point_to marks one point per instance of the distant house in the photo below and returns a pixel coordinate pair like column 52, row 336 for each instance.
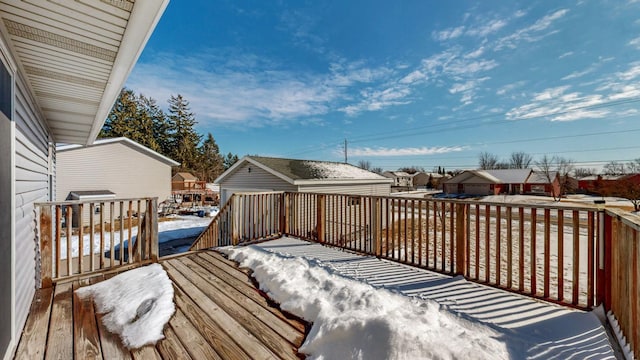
column 119, row 166
column 401, row 179
column 424, row 180
column 594, row 183
column 185, row 181
column 254, row 174
column 508, row 181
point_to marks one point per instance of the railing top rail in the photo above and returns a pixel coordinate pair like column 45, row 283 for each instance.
column 630, row 220
column 76, row 202
column 473, row 202
column 258, row 192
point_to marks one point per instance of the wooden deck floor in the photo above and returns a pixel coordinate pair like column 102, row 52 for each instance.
column 219, row 315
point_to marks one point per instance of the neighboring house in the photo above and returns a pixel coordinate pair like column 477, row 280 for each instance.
column 183, row 181
column 592, row 184
column 508, row 181
column 118, row 165
column 424, row 180
column 121, row 165
column 401, row 179
column 62, row 66
column 254, row 173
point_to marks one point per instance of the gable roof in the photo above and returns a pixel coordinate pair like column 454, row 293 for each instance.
column 76, row 56
column 538, row 177
column 124, row 141
column 185, row 176
column 502, row 176
column 299, row 172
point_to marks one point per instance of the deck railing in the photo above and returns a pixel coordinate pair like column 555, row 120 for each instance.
column 245, row 217
column 575, row 256
column 83, row 237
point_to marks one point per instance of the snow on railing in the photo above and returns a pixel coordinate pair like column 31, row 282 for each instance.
column 83, row 237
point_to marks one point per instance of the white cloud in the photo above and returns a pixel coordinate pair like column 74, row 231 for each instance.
column 413, row 77
column 488, row 28
column 564, row 55
column 577, row 74
column 476, row 53
column 632, row 73
column 550, row 93
column 247, row 90
column 581, row 114
column 531, row 33
column 410, row 151
column 635, row 43
column 510, row 87
column 448, row 34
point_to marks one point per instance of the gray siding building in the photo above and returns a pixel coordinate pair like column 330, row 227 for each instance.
column 254, row 174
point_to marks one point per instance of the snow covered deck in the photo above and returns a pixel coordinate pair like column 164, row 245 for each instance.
column 219, row 315
column 524, row 327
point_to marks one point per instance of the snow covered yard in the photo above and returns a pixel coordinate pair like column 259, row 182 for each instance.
column 173, row 228
column 366, row 308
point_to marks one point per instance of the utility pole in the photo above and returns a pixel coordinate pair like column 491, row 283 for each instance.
column 345, row 151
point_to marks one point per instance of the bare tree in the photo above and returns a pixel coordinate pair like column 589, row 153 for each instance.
column 582, row 172
column 633, row 167
column 377, row 170
column 520, row 160
column 412, row 169
column 364, row 164
column 556, row 167
column 487, row 161
column 614, row 168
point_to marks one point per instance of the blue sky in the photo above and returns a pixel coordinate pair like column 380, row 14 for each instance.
column 407, row 83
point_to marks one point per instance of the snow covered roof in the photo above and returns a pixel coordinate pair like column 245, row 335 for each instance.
column 125, row 141
column 510, row 176
column 298, row 172
column 538, row 177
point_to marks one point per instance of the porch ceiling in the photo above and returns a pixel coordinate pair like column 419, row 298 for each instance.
column 76, row 55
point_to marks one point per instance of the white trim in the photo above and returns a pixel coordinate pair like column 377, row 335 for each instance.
column 143, row 19
column 246, row 159
column 124, row 140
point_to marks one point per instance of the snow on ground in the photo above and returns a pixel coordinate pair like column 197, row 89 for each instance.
column 178, row 227
column 363, row 307
column 137, row 304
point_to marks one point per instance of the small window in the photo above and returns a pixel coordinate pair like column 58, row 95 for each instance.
column 5, row 91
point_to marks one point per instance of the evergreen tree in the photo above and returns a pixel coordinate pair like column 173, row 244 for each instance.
column 183, row 139
column 123, row 112
column 229, row 160
column 155, row 123
column 211, row 163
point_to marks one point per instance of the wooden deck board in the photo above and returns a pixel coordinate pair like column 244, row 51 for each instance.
column 34, row 343
column 219, row 315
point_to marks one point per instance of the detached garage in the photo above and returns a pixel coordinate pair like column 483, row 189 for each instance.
column 256, row 173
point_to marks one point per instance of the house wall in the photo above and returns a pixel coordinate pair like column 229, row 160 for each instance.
column 256, row 180
column 31, row 172
column 126, row 171
column 351, row 189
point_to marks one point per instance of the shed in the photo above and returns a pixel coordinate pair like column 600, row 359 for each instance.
column 121, row 165
column 256, row 173
column 62, row 66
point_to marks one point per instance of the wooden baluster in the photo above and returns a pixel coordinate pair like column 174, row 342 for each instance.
column 547, row 252
column 560, row 255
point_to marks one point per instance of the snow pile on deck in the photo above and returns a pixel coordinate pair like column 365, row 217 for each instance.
column 353, row 320
column 137, row 304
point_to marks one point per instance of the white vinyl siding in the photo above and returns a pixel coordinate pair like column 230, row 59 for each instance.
column 118, row 167
column 31, row 185
column 352, row 189
column 256, row 180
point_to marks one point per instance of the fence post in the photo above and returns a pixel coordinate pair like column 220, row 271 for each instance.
column 46, row 266
column 461, row 239
column 153, row 234
column 320, row 216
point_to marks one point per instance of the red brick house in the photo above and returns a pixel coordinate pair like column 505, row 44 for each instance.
column 507, row 181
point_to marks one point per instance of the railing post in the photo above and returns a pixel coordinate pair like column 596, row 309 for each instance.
column 606, row 281
column 376, row 225
column 46, row 268
column 235, row 216
column 320, row 217
column 461, row 239
column 282, row 215
column 153, row 234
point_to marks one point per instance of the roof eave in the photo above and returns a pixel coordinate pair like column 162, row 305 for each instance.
column 139, row 29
